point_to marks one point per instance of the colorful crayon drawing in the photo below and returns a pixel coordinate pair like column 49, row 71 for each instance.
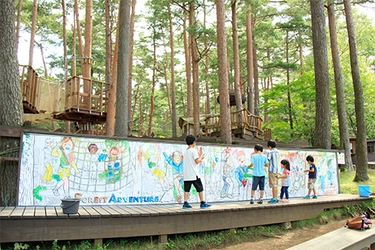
column 65, row 152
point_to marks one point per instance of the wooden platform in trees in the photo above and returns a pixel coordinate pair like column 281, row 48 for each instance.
column 249, row 127
column 30, row 89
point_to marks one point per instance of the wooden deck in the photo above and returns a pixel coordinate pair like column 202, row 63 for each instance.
column 28, row 224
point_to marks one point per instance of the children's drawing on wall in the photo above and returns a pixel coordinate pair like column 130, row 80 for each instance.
column 49, row 159
column 227, row 190
column 92, row 161
column 212, row 172
column 243, row 175
column 175, row 161
column 153, row 166
column 103, row 171
column 65, row 152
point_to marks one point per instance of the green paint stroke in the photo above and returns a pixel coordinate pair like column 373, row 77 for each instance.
column 37, row 190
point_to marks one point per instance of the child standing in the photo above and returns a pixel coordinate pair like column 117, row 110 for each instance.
column 312, row 177
column 191, row 172
column 259, row 161
column 285, row 180
column 273, row 170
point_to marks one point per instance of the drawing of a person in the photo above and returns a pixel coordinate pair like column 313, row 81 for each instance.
column 48, row 160
column 177, row 164
column 93, row 160
column 227, row 189
column 66, row 155
column 152, row 156
column 113, row 166
column 242, row 174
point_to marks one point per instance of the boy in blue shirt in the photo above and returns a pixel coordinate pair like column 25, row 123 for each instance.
column 259, row 162
column 312, row 177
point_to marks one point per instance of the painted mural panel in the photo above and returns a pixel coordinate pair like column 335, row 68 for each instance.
column 111, row 171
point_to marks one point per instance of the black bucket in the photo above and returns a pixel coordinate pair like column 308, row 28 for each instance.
column 70, row 206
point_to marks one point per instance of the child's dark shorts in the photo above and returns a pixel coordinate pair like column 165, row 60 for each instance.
column 197, row 184
column 258, row 180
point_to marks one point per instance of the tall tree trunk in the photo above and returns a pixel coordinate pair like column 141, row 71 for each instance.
column 108, row 42
column 78, row 27
column 87, row 59
column 236, row 60
column 111, row 104
column 322, row 138
column 11, row 110
column 340, row 94
column 206, row 65
column 225, row 123
column 288, row 83
column 122, row 118
column 195, row 69
column 189, row 93
column 361, row 146
column 131, row 52
column 33, row 30
column 152, row 98
column 67, row 128
column 173, row 84
column 18, row 27
column 80, row 46
column 256, row 81
column 250, row 67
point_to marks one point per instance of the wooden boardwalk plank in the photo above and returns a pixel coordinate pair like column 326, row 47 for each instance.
column 51, row 212
column 60, row 214
column 29, row 213
column 151, row 211
column 6, row 212
column 137, row 212
column 93, row 213
column 83, row 214
column 18, row 213
column 103, row 213
column 114, row 213
column 122, row 211
column 40, row 212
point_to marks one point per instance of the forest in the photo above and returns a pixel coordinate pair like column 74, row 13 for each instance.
column 162, row 35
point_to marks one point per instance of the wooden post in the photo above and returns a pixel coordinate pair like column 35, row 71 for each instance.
column 163, row 239
column 98, row 242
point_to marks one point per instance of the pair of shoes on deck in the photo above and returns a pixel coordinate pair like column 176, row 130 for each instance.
column 284, row 200
column 273, row 201
column 309, row 197
column 202, row 205
column 258, row 202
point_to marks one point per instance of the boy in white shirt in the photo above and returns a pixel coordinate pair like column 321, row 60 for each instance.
column 191, row 172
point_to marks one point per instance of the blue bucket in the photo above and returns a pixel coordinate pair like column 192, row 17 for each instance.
column 364, row 191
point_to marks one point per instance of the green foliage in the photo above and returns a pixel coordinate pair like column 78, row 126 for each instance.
column 347, row 185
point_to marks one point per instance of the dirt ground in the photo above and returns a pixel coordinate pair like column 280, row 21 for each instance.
column 289, row 239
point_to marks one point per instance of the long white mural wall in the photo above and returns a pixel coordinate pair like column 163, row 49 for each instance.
column 111, row 172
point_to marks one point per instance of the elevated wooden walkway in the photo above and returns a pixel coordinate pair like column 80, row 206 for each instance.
column 28, row 224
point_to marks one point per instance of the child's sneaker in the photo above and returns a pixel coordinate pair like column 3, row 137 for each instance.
column 186, row 205
column 260, row 201
column 315, row 197
column 273, row 201
column 251, row 201
column 307, row 197
column 205, row 205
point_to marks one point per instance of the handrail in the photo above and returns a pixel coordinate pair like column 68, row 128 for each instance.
column 94, row 99
column 249, row 121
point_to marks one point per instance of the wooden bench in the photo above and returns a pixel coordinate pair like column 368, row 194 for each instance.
column 342, row 238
